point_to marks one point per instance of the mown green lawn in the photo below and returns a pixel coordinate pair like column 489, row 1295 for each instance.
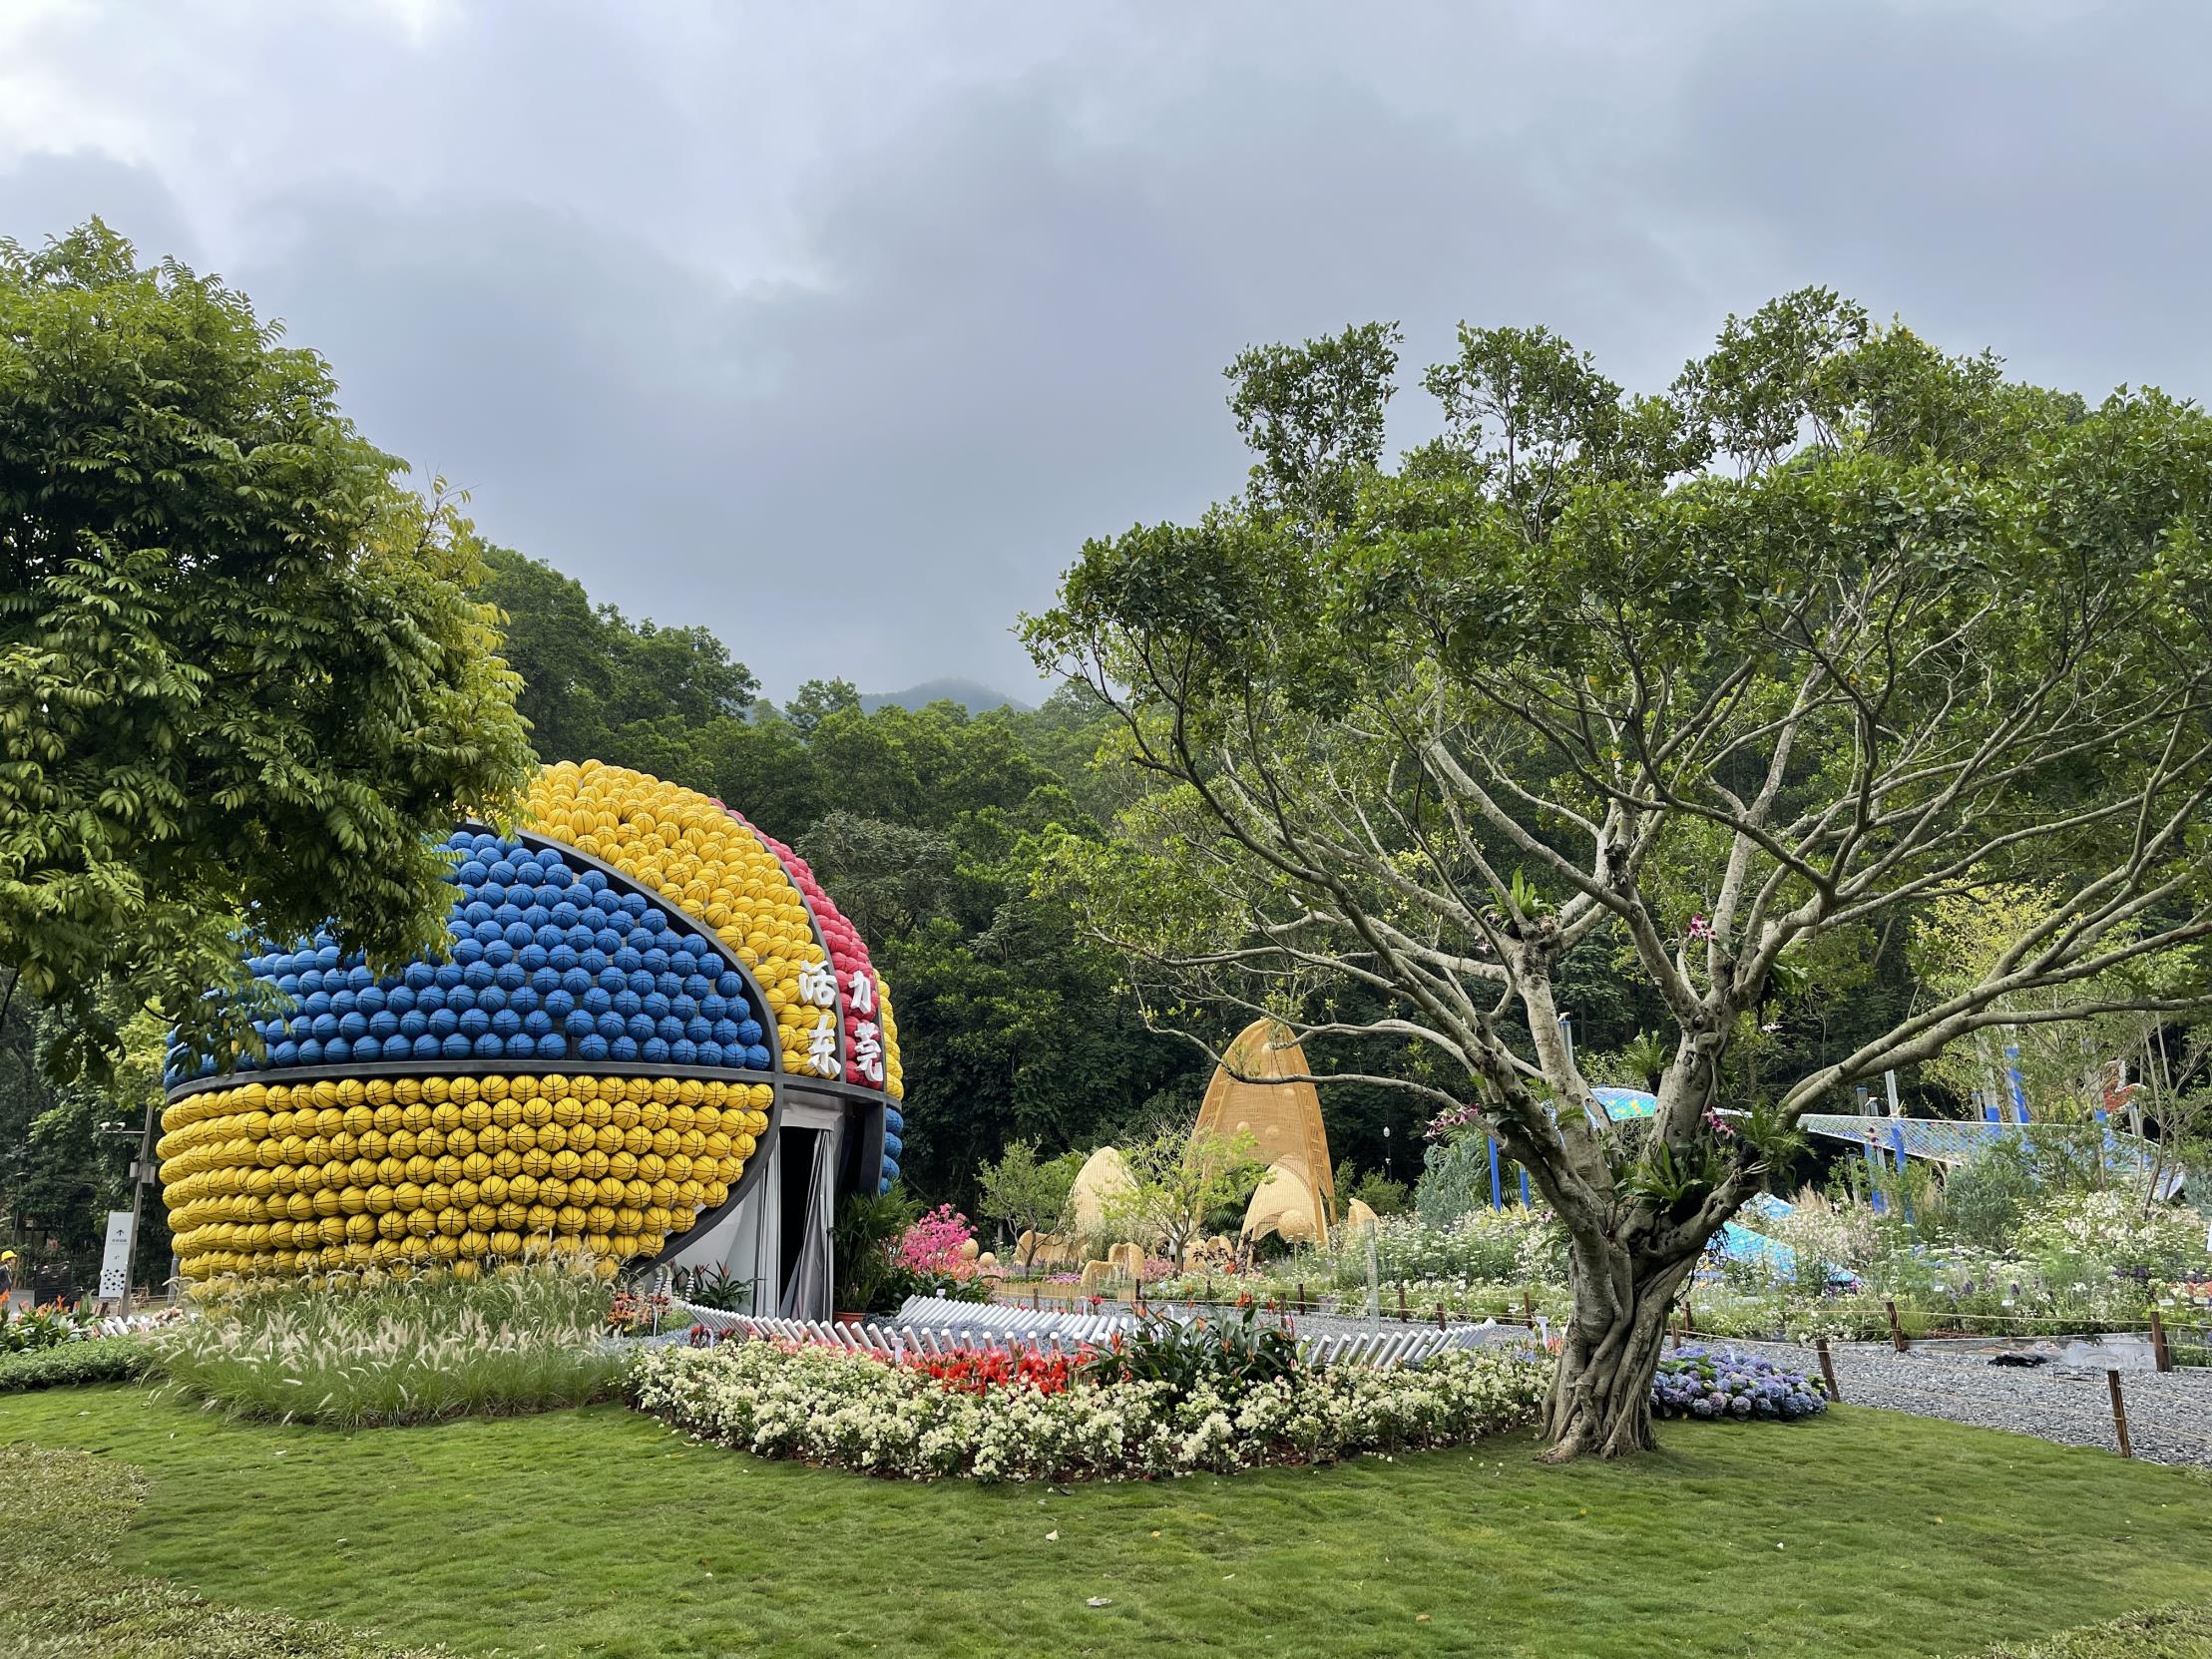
column 597, row 1532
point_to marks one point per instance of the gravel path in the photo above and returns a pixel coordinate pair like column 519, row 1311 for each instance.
column 2169, row 1415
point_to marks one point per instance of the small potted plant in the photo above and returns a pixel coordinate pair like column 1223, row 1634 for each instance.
column 864, row 1272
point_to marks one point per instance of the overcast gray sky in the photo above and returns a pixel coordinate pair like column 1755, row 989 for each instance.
column 838, row 327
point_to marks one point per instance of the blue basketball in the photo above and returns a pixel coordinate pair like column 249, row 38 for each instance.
column 757, row 1058
column 310, row 1053
column 622, row 1049
column 428, row 1047
column 684, row 1052
column 285, row 1054
column 610, row 1027
column 709, row 1053
column 475, row 1022
column 507, row 1023
column 449, row 976
column 353, row 1026
column 538, row 1023
column 639, row 1025
column 489, row 1046
column 749, row 1032
column 593, row 1048
column 324, row 1026
column 383, row 1024
column 368, row 1048
column 336, row 1050
column 444, row 1022
column 548, row 1045
column 653, row 1051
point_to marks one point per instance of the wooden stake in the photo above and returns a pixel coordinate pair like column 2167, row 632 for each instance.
column 1828, row 1370
column 1897, row 1331
column 1301, row 1296
column 2119, row 1413
column 1529, row 1308
column 1403, row 1311
column 2158, row 1351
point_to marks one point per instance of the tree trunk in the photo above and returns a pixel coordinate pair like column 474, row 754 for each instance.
column 1609, row 1351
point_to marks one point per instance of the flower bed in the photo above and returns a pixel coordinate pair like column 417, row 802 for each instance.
column 1698, row 1383
column 828, row 1406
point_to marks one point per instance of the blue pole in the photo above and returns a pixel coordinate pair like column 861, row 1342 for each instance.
column 1897, row 1140
column 2013, row 1077
column 1874, row 1174
column 1497, row 1189
column 1524, row 1189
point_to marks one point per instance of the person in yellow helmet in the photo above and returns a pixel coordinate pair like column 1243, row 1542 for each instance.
column 7, row 1277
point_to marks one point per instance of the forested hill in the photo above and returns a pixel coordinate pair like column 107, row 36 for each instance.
column 921, row 822
column 972, row 696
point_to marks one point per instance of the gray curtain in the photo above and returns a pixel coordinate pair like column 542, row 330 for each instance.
column 752, row 1241
column 808, row 1294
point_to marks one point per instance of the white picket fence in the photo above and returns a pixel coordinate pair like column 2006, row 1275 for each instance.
column 928, row 1325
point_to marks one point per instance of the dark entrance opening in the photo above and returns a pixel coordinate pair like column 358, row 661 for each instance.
column 796, row 1176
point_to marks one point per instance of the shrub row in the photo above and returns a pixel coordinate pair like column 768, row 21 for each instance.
column 94, row 1360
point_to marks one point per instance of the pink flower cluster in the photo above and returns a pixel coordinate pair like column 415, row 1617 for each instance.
column 936, row 1243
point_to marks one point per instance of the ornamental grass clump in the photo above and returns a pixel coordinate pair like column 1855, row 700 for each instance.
column 373, row 1349
column 1698, row 1383
column 825, row 1404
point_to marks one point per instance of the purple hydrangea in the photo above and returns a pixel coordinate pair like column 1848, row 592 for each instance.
column 1695, row 1381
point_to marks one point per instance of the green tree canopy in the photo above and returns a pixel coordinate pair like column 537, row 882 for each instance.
column 245, row 679
column 1719, row 681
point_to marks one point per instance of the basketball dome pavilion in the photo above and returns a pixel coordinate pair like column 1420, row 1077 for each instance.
column 650, row 1037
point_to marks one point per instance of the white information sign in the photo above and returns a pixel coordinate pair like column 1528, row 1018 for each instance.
column 115, row 1262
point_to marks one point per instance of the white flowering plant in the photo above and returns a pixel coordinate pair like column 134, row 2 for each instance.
column 828, row 1406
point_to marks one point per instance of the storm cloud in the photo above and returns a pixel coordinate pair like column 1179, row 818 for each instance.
column 838, row 328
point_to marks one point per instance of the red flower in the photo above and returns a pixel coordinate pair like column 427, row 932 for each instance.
column 976, row 1369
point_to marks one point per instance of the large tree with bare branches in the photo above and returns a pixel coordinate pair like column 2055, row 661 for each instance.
column 1836, row 629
